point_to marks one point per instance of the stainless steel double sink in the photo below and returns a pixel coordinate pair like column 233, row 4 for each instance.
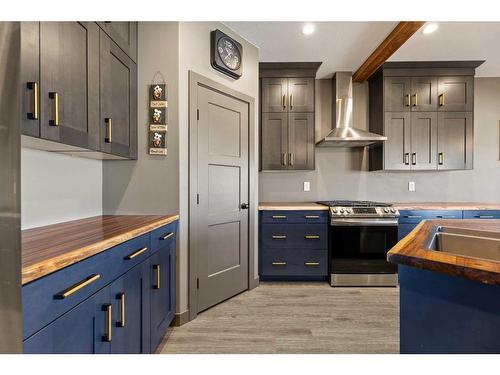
column 466, row 242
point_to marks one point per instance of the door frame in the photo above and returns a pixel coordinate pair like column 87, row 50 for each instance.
column 196, row 80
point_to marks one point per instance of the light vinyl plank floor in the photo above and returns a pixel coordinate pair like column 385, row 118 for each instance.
column 294, row 318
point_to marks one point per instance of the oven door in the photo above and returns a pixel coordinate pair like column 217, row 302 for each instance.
column 361, row 246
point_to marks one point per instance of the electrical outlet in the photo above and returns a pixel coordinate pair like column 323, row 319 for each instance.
column 307, row 186
column 411, row 185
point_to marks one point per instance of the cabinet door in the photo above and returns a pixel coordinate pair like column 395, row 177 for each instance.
column 455, row 143
column 69, row 79
column 162, row 273
column 274, row 94
column 301, row 141
column 30, row 78
column 274, row 141
column 424, row 140
column 397, row 93
column 424, row 94
column 82, row 330
column 124, row 34
column 456, row 93
column 130, row 299
column 397, row 146
column 118, row 89
column 301, row 95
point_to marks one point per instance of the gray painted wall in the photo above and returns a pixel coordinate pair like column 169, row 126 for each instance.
column 342, row 173
column 57, row 188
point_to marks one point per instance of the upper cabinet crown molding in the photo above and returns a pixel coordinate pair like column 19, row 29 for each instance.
column 288, row 69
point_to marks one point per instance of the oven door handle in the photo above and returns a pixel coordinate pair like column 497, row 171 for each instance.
column 364, row 222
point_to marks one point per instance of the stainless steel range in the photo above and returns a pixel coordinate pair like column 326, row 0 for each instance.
column 361, row 233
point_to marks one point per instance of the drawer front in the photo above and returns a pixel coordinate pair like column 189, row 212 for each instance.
column 294, row 262
column 416, row 216
column 482, row 214
column 294, row 216
column 301, row 236
column 48, row 298
column 163, row 236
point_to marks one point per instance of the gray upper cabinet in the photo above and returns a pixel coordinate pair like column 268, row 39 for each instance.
column 426, row 113
column 30, row 78
column 301, row 94
column 118, row 90
column 301, row 140
column 274, row 94
column 455, row 140
column 124, row 34
column 456, row 93
column 274, row 136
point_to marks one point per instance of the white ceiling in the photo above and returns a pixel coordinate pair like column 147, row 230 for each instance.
column 346, row 45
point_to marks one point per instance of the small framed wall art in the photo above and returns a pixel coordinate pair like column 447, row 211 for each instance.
column 158, row 114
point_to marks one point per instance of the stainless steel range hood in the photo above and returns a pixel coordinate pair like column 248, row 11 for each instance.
column 344, row 134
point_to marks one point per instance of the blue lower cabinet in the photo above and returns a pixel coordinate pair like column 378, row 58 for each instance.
column 82, row 330
column 482, row 214
column 409, row 219
column 162, row 294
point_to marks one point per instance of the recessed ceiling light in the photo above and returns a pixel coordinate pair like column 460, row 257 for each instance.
column 430, row 28
column 308, row 29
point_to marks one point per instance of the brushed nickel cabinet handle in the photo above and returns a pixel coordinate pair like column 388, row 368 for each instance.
column 76, row 287
column 283, row 101
column 279, row 216
column 415, row 102
column 414, row 158
column 291, row 101
column 55, row 97
column 278, row 263
column 407, row 102
column 156, row 268
column 108, row 309
column 311, row 264
column 121, row 297
column 311, row 237
column 441, row 100
column 167, row 236
column 34, row 87
column 284, row 158
column 292, row 159
column 312, row 216
column 407, row 158
column 441, row 158
column 279, row 237
column 109, row 129
column 136, row 253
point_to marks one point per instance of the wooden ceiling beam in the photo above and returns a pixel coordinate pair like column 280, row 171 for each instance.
column 401, row 33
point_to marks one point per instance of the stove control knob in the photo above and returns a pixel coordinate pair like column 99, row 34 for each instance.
column 334, row 210
column 393, row 210
column 341, row 210
column 386, row 210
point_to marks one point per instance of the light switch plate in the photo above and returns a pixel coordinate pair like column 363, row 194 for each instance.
column 307, row 186
column 411, row 185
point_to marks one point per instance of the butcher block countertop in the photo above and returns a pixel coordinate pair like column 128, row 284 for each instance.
column 413, row 251
column 291, row 206
column 50, row 248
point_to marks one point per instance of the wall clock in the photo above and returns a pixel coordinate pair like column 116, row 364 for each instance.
column 226, row 54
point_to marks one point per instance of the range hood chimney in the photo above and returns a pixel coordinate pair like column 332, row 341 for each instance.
column 344, row 134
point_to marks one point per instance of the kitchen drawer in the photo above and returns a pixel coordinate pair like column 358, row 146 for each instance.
column 416, row 216
column 163, row 236
column 294, row 216
column 43, row 301
column 294, row 262
column 301, row 236
column 482, row 214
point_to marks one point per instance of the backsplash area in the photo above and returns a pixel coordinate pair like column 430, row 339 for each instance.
column 341, row 173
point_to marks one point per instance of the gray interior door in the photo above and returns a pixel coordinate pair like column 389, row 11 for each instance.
column 456, row 93
column 424, row 140
column 424, row 93
column 397, row 93
column 274, row 141
column 455, row 132
column 274, row 94
column 301, row 94
column 222, row 218
column 301, row 141
column 397, row 146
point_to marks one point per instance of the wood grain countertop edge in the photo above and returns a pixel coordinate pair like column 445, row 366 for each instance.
column 38, row 270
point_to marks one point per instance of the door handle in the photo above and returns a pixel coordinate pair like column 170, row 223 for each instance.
column 167, row 236
column 311, row 237
column 311, row 216
column 108, row 309
column 244, row 206
column 76, row 287
column 279, row 237
column 284, row 158
column 407, row 158
column 441, row 100
column 407, row 102
column 279, row 216
column 156, row 268
column 292, row 159
column 278, row 263
column 109, row 129
column 136, row 253
column 441, row 158
column 291, row 101
column 283, row 101
column 34, row 87
column 311, row 264
column 415, row 102
column 121, row 297
column 414, row 158
column 55, row 97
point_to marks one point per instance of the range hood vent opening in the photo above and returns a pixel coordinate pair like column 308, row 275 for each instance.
column 344, row 134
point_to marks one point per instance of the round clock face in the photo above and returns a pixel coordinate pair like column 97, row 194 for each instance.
column 229, row 53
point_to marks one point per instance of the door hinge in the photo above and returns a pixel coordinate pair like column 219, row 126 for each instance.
column 197, row 283
column 197, row 198
column 198, row 114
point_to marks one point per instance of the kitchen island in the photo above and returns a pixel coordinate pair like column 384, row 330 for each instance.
column 449, row 276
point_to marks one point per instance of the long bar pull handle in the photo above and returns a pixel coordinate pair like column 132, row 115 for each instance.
column 108, row 309
column 291, row 101
column 284, row 158
column 407, row 102
column 156, row 268
column 413, row 216
column 76, row 287
column 414, row 158
column 279, row 237
column 441, row 158
column 279, row 216
column 34, row 87
column 283, row 101
column 407, row 158
column 278, row 263
column 121, row 297
column 292, row 159
column 312, row 216
column 136, row 253
column 311, row 237
column 167, row 236
column 312, row 264
column 441, row 100
column 484, row 216
column 415, row 102
column 55, row 97
column 109, row 129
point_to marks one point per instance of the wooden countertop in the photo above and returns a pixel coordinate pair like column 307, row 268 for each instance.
column 291, row 206
column 412, row 251
column 50, row 248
